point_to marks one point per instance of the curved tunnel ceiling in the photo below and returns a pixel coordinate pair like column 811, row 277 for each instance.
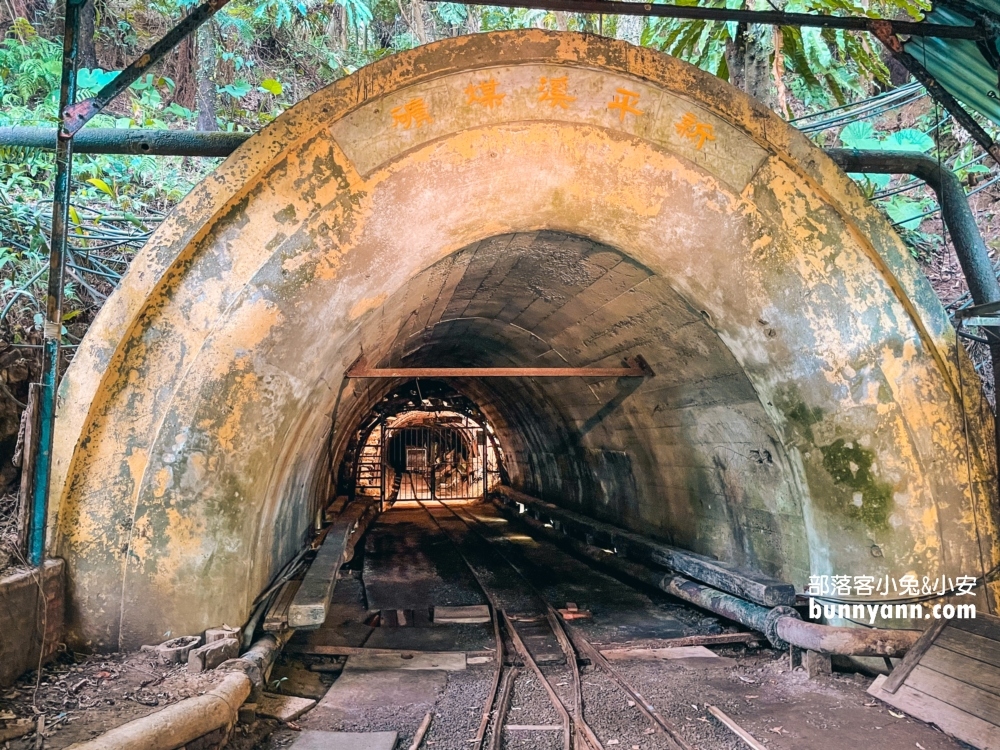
column 805, row 409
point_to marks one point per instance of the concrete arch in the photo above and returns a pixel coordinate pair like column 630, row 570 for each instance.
column 806, row 411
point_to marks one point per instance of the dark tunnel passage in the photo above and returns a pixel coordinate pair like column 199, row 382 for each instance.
column 689, row 456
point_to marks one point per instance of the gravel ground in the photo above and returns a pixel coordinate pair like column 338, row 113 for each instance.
column 457, row 714
column 613, row 715
column 530, row 705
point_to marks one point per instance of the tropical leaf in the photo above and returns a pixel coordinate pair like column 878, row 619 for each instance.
column 101, row 185
column 909, row 139
column 904, row 211
column 859, row 134
column 272, row 86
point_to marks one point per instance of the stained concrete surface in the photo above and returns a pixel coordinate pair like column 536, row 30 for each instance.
column 790, row 332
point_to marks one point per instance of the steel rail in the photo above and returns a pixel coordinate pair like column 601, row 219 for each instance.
column 549, row 690
column 514, row 636
column 491, row 697
column 597, row 658
column 673, row 735
column 582, row 727
column 506, row 693
column 765, row 17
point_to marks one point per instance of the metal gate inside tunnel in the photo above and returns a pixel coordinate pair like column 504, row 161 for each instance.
column 428, row 456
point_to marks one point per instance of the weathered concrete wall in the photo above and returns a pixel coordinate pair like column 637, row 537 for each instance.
column 25, row 624
column 522, row 197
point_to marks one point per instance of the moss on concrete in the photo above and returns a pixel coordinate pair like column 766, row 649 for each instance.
column 850, row 465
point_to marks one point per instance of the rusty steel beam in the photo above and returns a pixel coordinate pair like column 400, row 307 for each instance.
column 76, row 115
column 634, row 371
column 886, row 33
column 765, row 17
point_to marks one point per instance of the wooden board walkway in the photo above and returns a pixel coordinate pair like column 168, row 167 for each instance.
column 951, row 678
column 311, row 602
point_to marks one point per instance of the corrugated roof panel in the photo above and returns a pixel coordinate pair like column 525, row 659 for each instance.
column 958, row 64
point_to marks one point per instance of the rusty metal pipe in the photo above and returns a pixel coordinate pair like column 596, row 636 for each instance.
column 828, row 639
column 782, row 626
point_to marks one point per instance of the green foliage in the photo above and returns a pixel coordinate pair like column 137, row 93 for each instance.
column 823, row 66
column 902, row 209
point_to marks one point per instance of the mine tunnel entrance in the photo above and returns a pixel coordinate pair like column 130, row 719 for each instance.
column 426, row 451
column 806, row 416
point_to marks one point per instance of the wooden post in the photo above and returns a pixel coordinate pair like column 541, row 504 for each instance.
column 27, row 461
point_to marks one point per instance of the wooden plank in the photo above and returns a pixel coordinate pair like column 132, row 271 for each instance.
column 736, row 729
column 283, row 707
column 315, row 739
column 276, row 618
column 983, row 624
column 913, row 656
column 446, row 661
column 311, row 603
column 533, row 728
column 473, row 614
column 974, row 646
column 322, row 650
column 965, row 698
column 658, row 654
column 747, row 584
column 697, row 640
column 26, row 462
column 964, row 668
column 947, row 718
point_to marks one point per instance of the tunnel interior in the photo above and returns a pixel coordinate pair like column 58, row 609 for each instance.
column 688, row 455
column 804, row 413
column 422, row 441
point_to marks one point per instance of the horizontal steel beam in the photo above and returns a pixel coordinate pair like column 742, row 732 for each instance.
column 128, row 141
column 636, row 370
column 765, row 17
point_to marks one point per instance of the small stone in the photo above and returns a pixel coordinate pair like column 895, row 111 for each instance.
column 247, row 713
column 213, row 654
column 217, row 634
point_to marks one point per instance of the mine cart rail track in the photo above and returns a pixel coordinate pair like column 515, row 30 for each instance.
column 577, row 733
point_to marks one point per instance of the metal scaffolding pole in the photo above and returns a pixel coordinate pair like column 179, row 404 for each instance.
column 73, row 116
column 128, row 141
column 42, row 465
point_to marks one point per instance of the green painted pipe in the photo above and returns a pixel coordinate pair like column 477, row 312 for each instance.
column 128, row 141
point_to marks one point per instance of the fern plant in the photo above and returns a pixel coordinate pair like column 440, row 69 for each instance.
column 825, row 65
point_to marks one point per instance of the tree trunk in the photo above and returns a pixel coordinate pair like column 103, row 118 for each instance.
column 185, row 92
column 748, row 58
column 736, row 57
column 205, row 78
column 419, row 29
column 757, row 67
column 87, row 55
column 630, row 29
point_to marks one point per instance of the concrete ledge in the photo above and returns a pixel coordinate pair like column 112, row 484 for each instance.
column 23, row 619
